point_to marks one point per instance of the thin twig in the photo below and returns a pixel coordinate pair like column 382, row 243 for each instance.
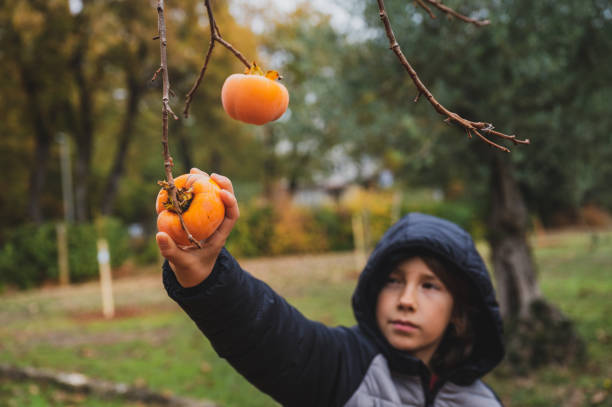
column 166, row 110
column 468, row 125
column 155, row 74
column 215, row 36
column 450, row 12
column 424, row 6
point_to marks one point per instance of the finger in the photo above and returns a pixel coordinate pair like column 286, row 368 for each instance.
column 223, row 182
column 197, row 171
column 165, row 244
column 231, row 205
column 169, row 249
column 232, row 213
column 218, row 238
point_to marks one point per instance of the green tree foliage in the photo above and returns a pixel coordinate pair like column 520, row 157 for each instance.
column 88, row 74
column 538, row 71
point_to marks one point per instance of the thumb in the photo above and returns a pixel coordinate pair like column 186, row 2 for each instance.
column 166, row 245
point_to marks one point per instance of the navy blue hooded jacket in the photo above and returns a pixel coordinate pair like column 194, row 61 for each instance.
column 300, row 362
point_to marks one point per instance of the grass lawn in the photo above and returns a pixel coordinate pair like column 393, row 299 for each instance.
column 151, row 342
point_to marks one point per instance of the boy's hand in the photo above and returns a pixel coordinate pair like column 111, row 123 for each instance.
column 191, row 265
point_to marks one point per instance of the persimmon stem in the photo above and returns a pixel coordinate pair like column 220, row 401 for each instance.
column 166, row 111
column 470, row 126
column 215, row 36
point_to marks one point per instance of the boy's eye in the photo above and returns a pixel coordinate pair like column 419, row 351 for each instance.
column 431, row 286
column 393, row 280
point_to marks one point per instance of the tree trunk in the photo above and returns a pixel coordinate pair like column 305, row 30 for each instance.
column 42, row 150
column 85, row 122
column 515, row 271
column 537, row 333
column 135, row 91
column 42, row 132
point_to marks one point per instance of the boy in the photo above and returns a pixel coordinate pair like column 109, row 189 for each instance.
column 428, row 323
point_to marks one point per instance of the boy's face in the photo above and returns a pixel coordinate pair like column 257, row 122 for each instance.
column 414, row 309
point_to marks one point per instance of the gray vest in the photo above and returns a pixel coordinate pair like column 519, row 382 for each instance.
column 382, row 388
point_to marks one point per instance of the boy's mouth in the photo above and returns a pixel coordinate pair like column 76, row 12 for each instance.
column 403, row 325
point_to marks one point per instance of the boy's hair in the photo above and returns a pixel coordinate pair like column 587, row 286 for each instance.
column 458, row 340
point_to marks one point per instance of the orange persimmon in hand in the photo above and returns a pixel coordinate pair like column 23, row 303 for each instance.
column 254, row 97
column 201, row 206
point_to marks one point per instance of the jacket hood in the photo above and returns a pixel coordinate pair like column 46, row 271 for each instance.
column 417, row 233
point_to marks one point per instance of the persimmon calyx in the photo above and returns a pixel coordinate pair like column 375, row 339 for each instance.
column 256, row 70
column 184, row 196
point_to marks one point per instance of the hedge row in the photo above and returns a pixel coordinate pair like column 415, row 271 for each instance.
column 29, row 255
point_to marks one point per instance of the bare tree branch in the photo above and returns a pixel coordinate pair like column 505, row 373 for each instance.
column 215, row 36
column 166, row 110
column 470, row 126
column 450, row 12
column 426, row 8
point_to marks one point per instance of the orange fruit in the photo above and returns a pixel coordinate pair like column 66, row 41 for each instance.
column 253, row 97
column 201, row 205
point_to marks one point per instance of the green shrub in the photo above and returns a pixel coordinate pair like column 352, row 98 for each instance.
column 29, row 256
column 144, row 250
column 336, row 224
column 253, row 233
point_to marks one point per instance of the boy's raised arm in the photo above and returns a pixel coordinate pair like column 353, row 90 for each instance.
column 297, row 361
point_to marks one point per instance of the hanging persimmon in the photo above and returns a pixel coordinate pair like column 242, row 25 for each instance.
column 200, row 204
column 254, row 97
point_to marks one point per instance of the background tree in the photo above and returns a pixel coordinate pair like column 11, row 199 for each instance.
column 525, row 95
column 35, row 34
column 88, row 74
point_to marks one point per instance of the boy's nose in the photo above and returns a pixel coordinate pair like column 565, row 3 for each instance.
column 407, row 299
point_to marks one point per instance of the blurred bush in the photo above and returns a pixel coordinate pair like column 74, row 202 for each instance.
column 253, row 233
column 295, row 231
column 29, row 255
column 334, row 224
column 265, row 229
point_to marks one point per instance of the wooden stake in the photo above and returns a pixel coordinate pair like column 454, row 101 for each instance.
column 62, row 254
column 106, row 282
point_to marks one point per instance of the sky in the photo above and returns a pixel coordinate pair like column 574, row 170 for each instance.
column 341, row 19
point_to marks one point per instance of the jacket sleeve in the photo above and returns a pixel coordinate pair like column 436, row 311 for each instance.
column 296, row 361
